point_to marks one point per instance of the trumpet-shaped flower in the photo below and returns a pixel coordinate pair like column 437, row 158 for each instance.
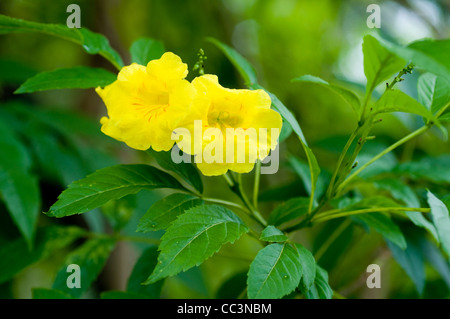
column 237, row 127
column 145, row 104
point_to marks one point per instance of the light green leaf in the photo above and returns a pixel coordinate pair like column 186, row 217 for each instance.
column 144, row 266
column 186, row 170
column 404, row 193
column 245, row 69
column 290, row 210
column 445, row 117
column 92, row 43
column 441, row 220
column 397, row 101
column 273, row 234
column 195, row 236
column 411, row 260
column 91, row 257
column 44, row 293
column 348, row 96
column 109, row 183
column 275, row 272
column 79, row 77
column 433, row 91
column 162, row 213
column 321, row 288
column 379, row 62
column 144, row 50
column 15, row 255
column 382, row 224
column 308, row 265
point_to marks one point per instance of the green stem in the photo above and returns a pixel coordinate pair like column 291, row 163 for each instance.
column 326, row 216
column 381, row 154
column 256, row 184
column 224, row 202
column 247, row 203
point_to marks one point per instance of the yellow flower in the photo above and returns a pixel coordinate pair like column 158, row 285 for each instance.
column 145, row 104
column 237, row 127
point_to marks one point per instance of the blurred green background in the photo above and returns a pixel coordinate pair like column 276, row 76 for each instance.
column 283, row 39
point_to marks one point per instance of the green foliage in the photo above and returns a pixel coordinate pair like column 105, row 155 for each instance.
column 320, row 289
column 194, row 237
column 291, row 209
column 74, row 78
column 144, row 50
column 272, row 234
column 441, row 219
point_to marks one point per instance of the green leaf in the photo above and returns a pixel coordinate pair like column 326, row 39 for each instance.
column 308, row 266
column 195, row 236
column 290, row 210
column 435, row 169
column 186, row 170
column 79, row 77
column 115, row 294
column 433, row 92
column 382, row 224
column 379, row 62
column 107, row 184
column 245, row 69
column 92, row 43
column 321, row 288
column 162, row 213
column 404, row 193
column 15, row 254
column 44, row 293
column 14, row 154
column 272, row 234
column 144, row 50
column 91, row 258
column 441, row 220
column 348, row 96
column 411, row 260
column 144, row 266
column 308, row 176
column 397, row 101
column 275, row 272
column 233, row 287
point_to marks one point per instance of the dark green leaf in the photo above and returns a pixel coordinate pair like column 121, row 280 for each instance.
column 144, row 50
column 272, row 234
column 195, row 236
column 321, row 288
column 115, row 294
column 144, row 266
column 162, row 213
column 290, row 210
column 43, row 293
column 275, row 272
column 79, row 77
column 107, row 184
column 186, row 170
column 308, row 266
column 233, row 287
column 91, row 258
column 348, row 96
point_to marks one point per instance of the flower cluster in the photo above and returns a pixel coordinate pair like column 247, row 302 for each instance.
column 148, row 106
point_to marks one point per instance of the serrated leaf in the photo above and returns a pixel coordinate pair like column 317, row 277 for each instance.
column 144, row 50
column 107, row 184
column 92, row 43
column 44, row 293
column 441, row 220
column 162, row 213
column 348, row 96
column 79, row 77
column 195, row 236
column 308, row 266
column 411, row 260
column 275, row 272
column 272, row 234
column 382, row 224
column 433, row 92
column 404, row 193
column 15, row 255
column 291, row 209
column 91, row 258
column 245, row 69
column 186, row 170
column 144, row 266
column 321, row 288
column 379, row 62
column 397, row 101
